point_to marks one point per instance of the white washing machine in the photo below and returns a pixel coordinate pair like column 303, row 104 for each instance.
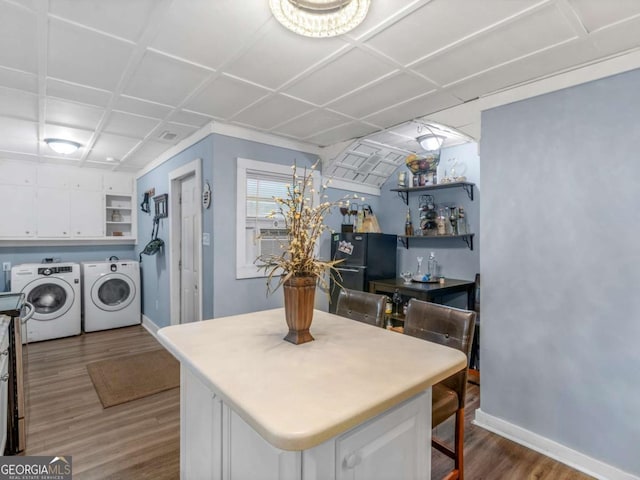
column 111, row 294
column 54, row 291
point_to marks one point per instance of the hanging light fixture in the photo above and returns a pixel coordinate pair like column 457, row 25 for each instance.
column 430, row 142
column 320, row 18
column 64, row 147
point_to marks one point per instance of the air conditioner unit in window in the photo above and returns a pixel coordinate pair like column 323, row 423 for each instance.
column 271, row 240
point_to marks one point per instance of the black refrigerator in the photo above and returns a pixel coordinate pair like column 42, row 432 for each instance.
column 367, row 256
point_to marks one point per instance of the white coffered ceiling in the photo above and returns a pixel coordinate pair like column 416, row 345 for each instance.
column 129, row 79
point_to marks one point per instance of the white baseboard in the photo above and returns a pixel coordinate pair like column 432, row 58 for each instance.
column 550, row 448
column 151, row 327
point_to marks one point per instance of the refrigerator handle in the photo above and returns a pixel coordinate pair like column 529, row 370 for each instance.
column 356, row 270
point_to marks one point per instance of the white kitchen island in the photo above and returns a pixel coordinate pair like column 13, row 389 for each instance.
column 353, row 404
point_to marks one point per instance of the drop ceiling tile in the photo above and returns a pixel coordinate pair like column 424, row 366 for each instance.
column 272, row 111
column 16, row 103
column 190, row 118
column 432, row 102
column 72, row 114
column 181, row 132
column 346, row 73
column 18, row 80
column 562, row 57
column 595, row 15
column 164, row 79
column 335, row 135
column 617, row 38
column 224, row 97
column 384, row 94
column 312, row 122
column 506, row 43
column 438, row 24
column 122, row 18
column 109, row 145
column 18, row 135
column 128, row 125
column 18, row 37
column 207, row 32
column 141, row 107
column 85, row 57
column 280, row 55
column 148, row 152
column 77, row 93
column 379, row 14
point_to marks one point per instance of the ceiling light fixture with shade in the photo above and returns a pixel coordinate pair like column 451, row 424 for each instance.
column 320, row 18
column 430, row 142
column 63, row 147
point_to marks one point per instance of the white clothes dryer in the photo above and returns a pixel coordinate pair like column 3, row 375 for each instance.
column 54, row 291
column 111, row 294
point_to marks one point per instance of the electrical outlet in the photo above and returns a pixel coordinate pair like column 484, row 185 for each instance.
column 157, row 304
column 6, row 266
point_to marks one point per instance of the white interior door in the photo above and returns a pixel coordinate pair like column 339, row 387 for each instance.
column 189, row 259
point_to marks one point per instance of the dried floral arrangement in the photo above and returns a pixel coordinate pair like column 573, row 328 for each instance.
column 304, row 218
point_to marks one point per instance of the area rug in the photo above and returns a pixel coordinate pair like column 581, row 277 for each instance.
column 123, row 379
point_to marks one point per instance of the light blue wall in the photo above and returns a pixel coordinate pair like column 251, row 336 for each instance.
column 18, row 255
column 561, row 267
column 231, row 296
column 453, row 256
column 155, row 269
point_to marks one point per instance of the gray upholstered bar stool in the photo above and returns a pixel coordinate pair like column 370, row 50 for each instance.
column 454, row 328
column 361, row 306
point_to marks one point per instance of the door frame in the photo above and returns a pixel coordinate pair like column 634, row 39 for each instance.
column 175, row 232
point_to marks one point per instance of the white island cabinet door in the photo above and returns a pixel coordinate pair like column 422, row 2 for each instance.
column 201, row 424
column 385, row 447
column 87, row 213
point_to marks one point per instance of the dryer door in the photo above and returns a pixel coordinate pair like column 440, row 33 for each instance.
column 51, row 298
column 113, row 292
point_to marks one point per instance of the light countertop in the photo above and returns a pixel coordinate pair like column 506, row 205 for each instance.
column 298, row 396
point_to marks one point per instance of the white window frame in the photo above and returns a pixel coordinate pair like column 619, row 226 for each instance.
column 245, row 268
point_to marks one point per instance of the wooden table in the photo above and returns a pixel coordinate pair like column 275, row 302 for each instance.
column 429, row 292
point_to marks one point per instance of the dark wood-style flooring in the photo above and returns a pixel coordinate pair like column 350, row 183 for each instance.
column 140, row 439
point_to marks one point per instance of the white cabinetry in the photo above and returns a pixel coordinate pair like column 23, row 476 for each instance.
column 87, row 213
column 17, row 214
column 59, row 204
column 216, row 443
column 52, row 212
column 119, row 215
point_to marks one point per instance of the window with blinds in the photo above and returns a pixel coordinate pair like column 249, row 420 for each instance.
column 261, row 189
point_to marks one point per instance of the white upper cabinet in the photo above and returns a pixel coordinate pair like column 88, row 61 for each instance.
column 63, row 203
column 117, row 182
column 17, row 216
column 53, row 212
column 17, row 173
column 87, row 213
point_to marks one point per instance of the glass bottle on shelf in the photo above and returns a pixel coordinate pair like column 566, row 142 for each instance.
column 462, row 222
column 441, row 222
column 408, row 225
column 453, row 220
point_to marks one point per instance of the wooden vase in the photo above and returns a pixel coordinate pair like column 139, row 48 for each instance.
column 299, row 296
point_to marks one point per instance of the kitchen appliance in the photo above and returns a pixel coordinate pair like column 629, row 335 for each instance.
column 366, row 257
column 111, row 294
column 12, row 393
column 54, row 291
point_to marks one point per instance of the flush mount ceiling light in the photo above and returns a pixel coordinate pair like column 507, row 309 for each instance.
column 430, row 142
column 320, row 18
column 64, row 147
